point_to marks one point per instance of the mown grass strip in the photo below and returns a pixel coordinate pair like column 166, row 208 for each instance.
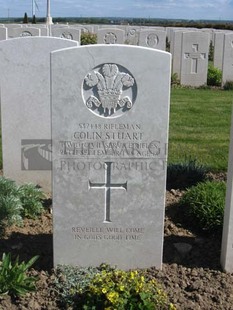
column 200, row 126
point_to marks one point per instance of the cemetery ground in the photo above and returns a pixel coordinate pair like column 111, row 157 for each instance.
column 191, row 276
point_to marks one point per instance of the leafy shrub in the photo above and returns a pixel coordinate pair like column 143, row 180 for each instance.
column 228, row 85
column 69, row 279
column 88, row 38
column 211, row 52
column 204, row 205
column 109, row 288
column 10, row 210
column 186, row 174
column 214, row 76
column 7, row 187
column 13, row 278
column 174, row 79
column 31, row 198
column 18, row 202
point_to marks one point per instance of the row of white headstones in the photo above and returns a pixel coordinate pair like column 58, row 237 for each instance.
column 189, row 47
column 110, row 111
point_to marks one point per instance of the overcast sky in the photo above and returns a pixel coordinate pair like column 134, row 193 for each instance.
column 184, row 9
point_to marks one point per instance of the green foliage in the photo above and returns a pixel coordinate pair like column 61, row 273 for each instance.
column 185, row 174
column 68, row 279
column 211, row 52
column 228, row 85
column 88, row 38
column 108, row 288
column 174, row 79
column 10, row 211
column 13, row 278
column 204, row 205
column 214, row 76
column 31, row 198
column 18, row 202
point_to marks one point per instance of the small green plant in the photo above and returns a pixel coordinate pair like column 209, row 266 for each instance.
column 214, row 76
column 185, row 174
column 117, row 289
column 69, row 279
column 228, row 85
column 88, row 38
column 7, row 187
column 10, row 211
column 211, row 52
column 17, row 202
column 204, row 205
column 108, row 288
column 174, row 79
column 31, row 198
column 14, row 280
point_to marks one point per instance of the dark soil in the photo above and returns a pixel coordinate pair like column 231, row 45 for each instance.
column 191, row 274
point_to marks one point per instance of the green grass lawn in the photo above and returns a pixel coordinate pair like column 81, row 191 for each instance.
column 200, row 126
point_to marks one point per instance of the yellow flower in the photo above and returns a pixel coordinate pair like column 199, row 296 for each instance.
column 112, row 296
column 104, row 290
column 142, row 279
column 121, row 287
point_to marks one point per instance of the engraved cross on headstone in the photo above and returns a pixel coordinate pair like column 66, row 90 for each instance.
column 107, row 186
column 194, row 56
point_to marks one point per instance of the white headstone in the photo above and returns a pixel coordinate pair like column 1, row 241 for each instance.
column 24, row 32
column 3, row 33
column 109, row 130
column 218, row 49
column 227, row 236
column 194, row 59
column 67, row 33
column 110, row 36
column 25, row 108
column 153, row 39
column 132, row 35
column 227, row 72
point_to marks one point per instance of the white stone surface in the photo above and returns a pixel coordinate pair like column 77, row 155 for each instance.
column 227, row 72
column 194, row 60
column 153, row 39
column 3, row 33
column 218, row 49
column 24, row 32
column 67, row 33
column 25, row 107
column 110, row 36
column 227, row 236
column 109, row 166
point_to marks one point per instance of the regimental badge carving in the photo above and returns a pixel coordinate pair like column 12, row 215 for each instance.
column 113, row 90
column 67, row 35
column 26, row 34
column 152, row 40
column 110, row 38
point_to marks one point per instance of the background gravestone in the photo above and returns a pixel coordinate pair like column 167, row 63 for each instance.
column 110, row 36
column 153, row 39
column 109, row 131
column 227, row 72
column 25, row 108
column 194, row 58
column 67, row 33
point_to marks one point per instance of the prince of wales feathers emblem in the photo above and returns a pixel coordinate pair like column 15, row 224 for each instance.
column 109, row 86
